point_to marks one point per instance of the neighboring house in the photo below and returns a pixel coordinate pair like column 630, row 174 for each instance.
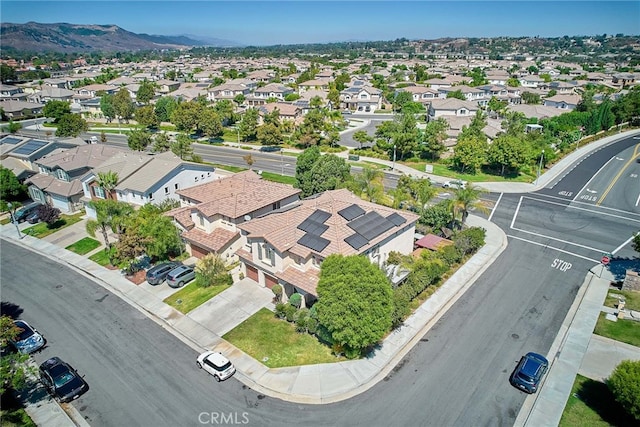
column 145, row 178
column 288, row 245
column 58, row 182
column 165, row 86
column 91, row 91
column 51, row 94
column 261, row 76
column 272, row 90
column 497, row 78
column 316, row 84
column 286, row 111
column 564, row 102
column 227, row 91
column 422, row 94
column 18, row 110
column 452, row 107
column 537, row 111
column 88, row 107
column 624, row 79
column 361, row 98
column 531, row 81
column 438, row 84
column 211, row 213
column 12, row 93
column 470, row 93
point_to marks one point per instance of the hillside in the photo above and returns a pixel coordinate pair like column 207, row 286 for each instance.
column 72, row 38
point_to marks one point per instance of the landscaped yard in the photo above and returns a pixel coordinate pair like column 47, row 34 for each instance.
column 632, row 299
column 43, row 229
column 443, row 170
column 276, row 343
column 591, row 404
column 101, row 258
column 192, row 296
column 83, row 246
column 627, row 331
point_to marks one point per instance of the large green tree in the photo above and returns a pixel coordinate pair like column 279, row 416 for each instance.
column 248, row 125
column 304, row 164
column 10, row 188
column 210, row 123
column 139, row 139
column 624, row 383
column 355, row 302
column 71, row 125
column 146, row 92
column 435, row 133
column 508, row 152
column 186, row 116
column 182, row 146
column 161, row 143
column 269, row 134
column 123, row 105
column 110, row 215
column 316, row 173
column 146, row 116
column 107, row 108
column 56, row 110
column 164, row 107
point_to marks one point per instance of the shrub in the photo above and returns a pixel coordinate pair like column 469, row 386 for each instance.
column 281, row 310
column 295, row 300
column 401, row 307
column 450, row 254
column 289, row 312
column 209, row 269
column 324, row 334
column 48, row 214
column 312, row 325
column 277, row 292
column 301, row 314
column 624, row 383
column 470, row 240
column 351, row 353
column 301, row 318
column 313, row 312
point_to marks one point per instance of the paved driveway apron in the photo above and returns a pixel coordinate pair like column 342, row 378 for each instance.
column 231, row 307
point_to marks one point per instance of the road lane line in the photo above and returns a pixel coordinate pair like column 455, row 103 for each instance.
column 569, row 203
column 584, row 209
column 496, row 206
column 592, row 178
column 613, row 252
column 615, row 179
column 638, row 199
column 559, row 240
column 554, row 248
column 515, row 214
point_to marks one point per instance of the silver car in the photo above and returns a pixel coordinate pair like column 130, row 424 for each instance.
column 29, row 340
column 180, row 275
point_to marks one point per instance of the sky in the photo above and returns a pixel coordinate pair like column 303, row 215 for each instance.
column 290, row 22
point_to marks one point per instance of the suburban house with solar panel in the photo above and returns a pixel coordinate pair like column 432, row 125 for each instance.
column 58, row 182
column 288, row 245
column 211, row 213
column 145, row 178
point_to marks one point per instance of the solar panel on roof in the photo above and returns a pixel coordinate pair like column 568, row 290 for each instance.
column 313, row 242
column 313, row 227
column 356, row 241
column 396, row 219
column 10, row 140
column 320, row 216
column 370, row 225
column 351, row 212
column 30, row 147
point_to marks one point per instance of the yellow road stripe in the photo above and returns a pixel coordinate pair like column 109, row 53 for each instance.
column 615, row 179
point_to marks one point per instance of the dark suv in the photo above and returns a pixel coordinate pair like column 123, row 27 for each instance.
column 529, row 372
column 26, row 210
column 61, row 380
column 157, row 274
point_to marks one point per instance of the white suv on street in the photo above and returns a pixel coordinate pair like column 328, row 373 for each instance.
column 216, row 364
column 455, row 184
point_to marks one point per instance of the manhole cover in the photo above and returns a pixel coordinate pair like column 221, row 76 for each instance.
column 515, row 336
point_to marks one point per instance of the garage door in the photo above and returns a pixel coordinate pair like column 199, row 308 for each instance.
column 269, row 281
column 252, row 273
column 198, row 252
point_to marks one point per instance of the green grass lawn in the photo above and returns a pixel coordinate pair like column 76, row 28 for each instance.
column 444, row 170
column 284, row 179
column 591, row 404
column 192, row 296
column 83, row 246
column 627, row 331
column 276, row 343
column 43, row 229
column 5, row 221
column 632, row 300
column 101, row 258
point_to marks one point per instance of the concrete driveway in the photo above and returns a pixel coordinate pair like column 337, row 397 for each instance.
column 233, row 306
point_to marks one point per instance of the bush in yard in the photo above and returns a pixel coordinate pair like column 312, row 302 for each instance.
column 289, row 312
column 324, row 334
column 401, row 307
column 48, row 214
column 295, row 300
column 277, row 292
column 624, row 383
column 352, row 353
column 450, row 254
column 470, row 240
column 301, row 318
column 209, row 269
column 281, row 310
column 312, row 325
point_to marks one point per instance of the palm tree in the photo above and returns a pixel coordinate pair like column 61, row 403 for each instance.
column 466, row 198
column 107, row 181
column 110, row 214
column 370, row 183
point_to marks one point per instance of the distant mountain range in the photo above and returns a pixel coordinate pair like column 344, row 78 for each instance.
column 79, row 38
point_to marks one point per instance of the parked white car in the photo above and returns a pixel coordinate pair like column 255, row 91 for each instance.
column 216, row 364
column 455, row 184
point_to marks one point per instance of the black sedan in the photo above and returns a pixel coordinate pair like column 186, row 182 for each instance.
column 61, row 380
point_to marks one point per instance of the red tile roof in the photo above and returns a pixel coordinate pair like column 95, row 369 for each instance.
column 433, row 242
column 214, row 241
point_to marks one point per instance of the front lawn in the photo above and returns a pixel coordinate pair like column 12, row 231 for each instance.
column 591, row 404
column 276, row 343
column 83, row 246
column 192, row 296
column 43, row 229
column 445, row 171
column 632, row 299
column 627, row 331
column 283, row 179
column 101, row 258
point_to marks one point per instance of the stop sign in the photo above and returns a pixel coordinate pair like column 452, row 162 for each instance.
column 605, row 260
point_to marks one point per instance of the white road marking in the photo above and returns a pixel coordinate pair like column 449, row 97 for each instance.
column 515, row 214
column 590, row 191
column 613, row 252
column 638, row 200
column 554, row 248
column 496, row 206
column 558, row 240
column 592, row 178
column 582, row 209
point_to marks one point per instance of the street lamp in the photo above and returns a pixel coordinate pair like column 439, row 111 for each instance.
column 10, row 206
column 540, row 166
column 393, row 167
column 238, row 129
column 281, row 161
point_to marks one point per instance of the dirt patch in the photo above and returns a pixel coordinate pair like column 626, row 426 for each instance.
column 138, row 277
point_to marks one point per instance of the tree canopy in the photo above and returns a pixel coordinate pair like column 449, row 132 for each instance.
column 71, row 125
column 56, row 110
column 624, row 383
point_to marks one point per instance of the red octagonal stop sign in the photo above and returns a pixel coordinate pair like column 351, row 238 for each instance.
column 605, row 260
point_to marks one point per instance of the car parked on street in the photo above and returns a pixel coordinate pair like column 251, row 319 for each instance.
column 216, row 364
column 29, row 340
column 455, row 184
column 180, row 275
column 529, row 372
column 26, row 210
column 61, row 380
column 34, row 218
column 157, row 274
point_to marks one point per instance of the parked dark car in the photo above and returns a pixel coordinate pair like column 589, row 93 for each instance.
column 180, row 275
column 529, row 372
column 25, row 211
column 61, row 380
column 270, row 148
column 34, row 218
column 29, row 339
column 157, row 274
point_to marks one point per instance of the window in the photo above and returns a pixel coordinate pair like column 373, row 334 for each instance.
column 150, row 196
column 61, row 174
column 99, row 192
column 166, row 190
column 260, row 251
column 275, row 206
column 176, row 186
column 271, row 255
column 201, row 219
